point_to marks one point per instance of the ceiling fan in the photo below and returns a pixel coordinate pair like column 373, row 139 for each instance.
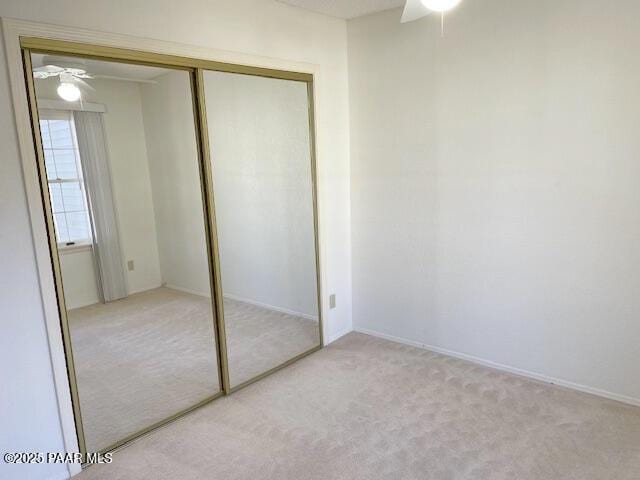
column 415, row 9
column 71, row 76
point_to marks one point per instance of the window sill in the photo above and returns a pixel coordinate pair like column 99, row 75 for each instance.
column 80, row 247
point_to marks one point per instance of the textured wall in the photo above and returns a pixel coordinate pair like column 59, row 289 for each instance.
column 495, row 188
column 259, row 136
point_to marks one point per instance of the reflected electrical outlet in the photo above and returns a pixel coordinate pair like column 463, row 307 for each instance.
column 332, row 300
column 130, row 266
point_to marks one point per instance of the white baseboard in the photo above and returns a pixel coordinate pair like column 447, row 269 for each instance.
column 505, row 368
column 248, row 301
column 336, row 336
column 143, row 289
column 270, row 307
column 186, row 290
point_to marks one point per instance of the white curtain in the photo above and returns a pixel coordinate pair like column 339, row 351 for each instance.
column 97, row 178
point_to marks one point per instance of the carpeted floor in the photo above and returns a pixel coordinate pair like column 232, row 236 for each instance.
column 151, row 355
column 259, row 339
column 365, row 408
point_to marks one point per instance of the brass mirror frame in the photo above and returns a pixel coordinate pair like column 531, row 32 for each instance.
column 195, row 67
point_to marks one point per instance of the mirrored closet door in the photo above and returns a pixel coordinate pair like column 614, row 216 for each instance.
column 263, row 182
column 121, row 179
column 179, row 197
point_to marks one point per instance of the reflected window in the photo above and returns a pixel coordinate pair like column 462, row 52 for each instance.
column 64, row 175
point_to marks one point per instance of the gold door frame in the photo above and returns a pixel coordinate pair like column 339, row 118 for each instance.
column 195, row 68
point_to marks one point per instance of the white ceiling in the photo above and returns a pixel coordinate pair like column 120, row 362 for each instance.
column 346, row 8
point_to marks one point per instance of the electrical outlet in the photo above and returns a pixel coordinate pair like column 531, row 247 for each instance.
column 130, row 266
column 332, row 300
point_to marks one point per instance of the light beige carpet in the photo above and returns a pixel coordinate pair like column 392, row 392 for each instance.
column 365, row 408
column 151, row 355
column 259, row 339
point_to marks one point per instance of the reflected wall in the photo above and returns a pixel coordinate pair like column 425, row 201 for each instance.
column 262, row 178
column 123, row 178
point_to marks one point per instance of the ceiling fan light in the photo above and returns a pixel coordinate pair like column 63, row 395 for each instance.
column 68, row 91
column 440, row 5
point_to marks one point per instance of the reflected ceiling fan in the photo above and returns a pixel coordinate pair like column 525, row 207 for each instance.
column 415, row 9
column 72, row 75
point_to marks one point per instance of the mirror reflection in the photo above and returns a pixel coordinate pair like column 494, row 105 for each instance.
column 262, row 178
column 122, row 170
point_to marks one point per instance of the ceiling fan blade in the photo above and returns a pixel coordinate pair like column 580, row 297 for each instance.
column 49, row 69
column 413, row 10
column 42, row 75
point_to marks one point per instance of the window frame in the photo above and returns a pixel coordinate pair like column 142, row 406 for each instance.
column 48, row 114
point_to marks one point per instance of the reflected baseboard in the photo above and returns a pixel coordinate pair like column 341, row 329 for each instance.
column 266, row 306
column 249, row 301
column 145, row 289
column 187, row 290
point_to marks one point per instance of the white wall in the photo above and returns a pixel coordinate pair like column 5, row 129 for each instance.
column 79, row 277
column 28, row 406
column 125, row 135
column 261, row 162
column 175, row 178
column 29, row 419
column 495, row 188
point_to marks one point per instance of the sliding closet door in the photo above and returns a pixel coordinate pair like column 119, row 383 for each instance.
column 262, row 170
column 126, row 217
